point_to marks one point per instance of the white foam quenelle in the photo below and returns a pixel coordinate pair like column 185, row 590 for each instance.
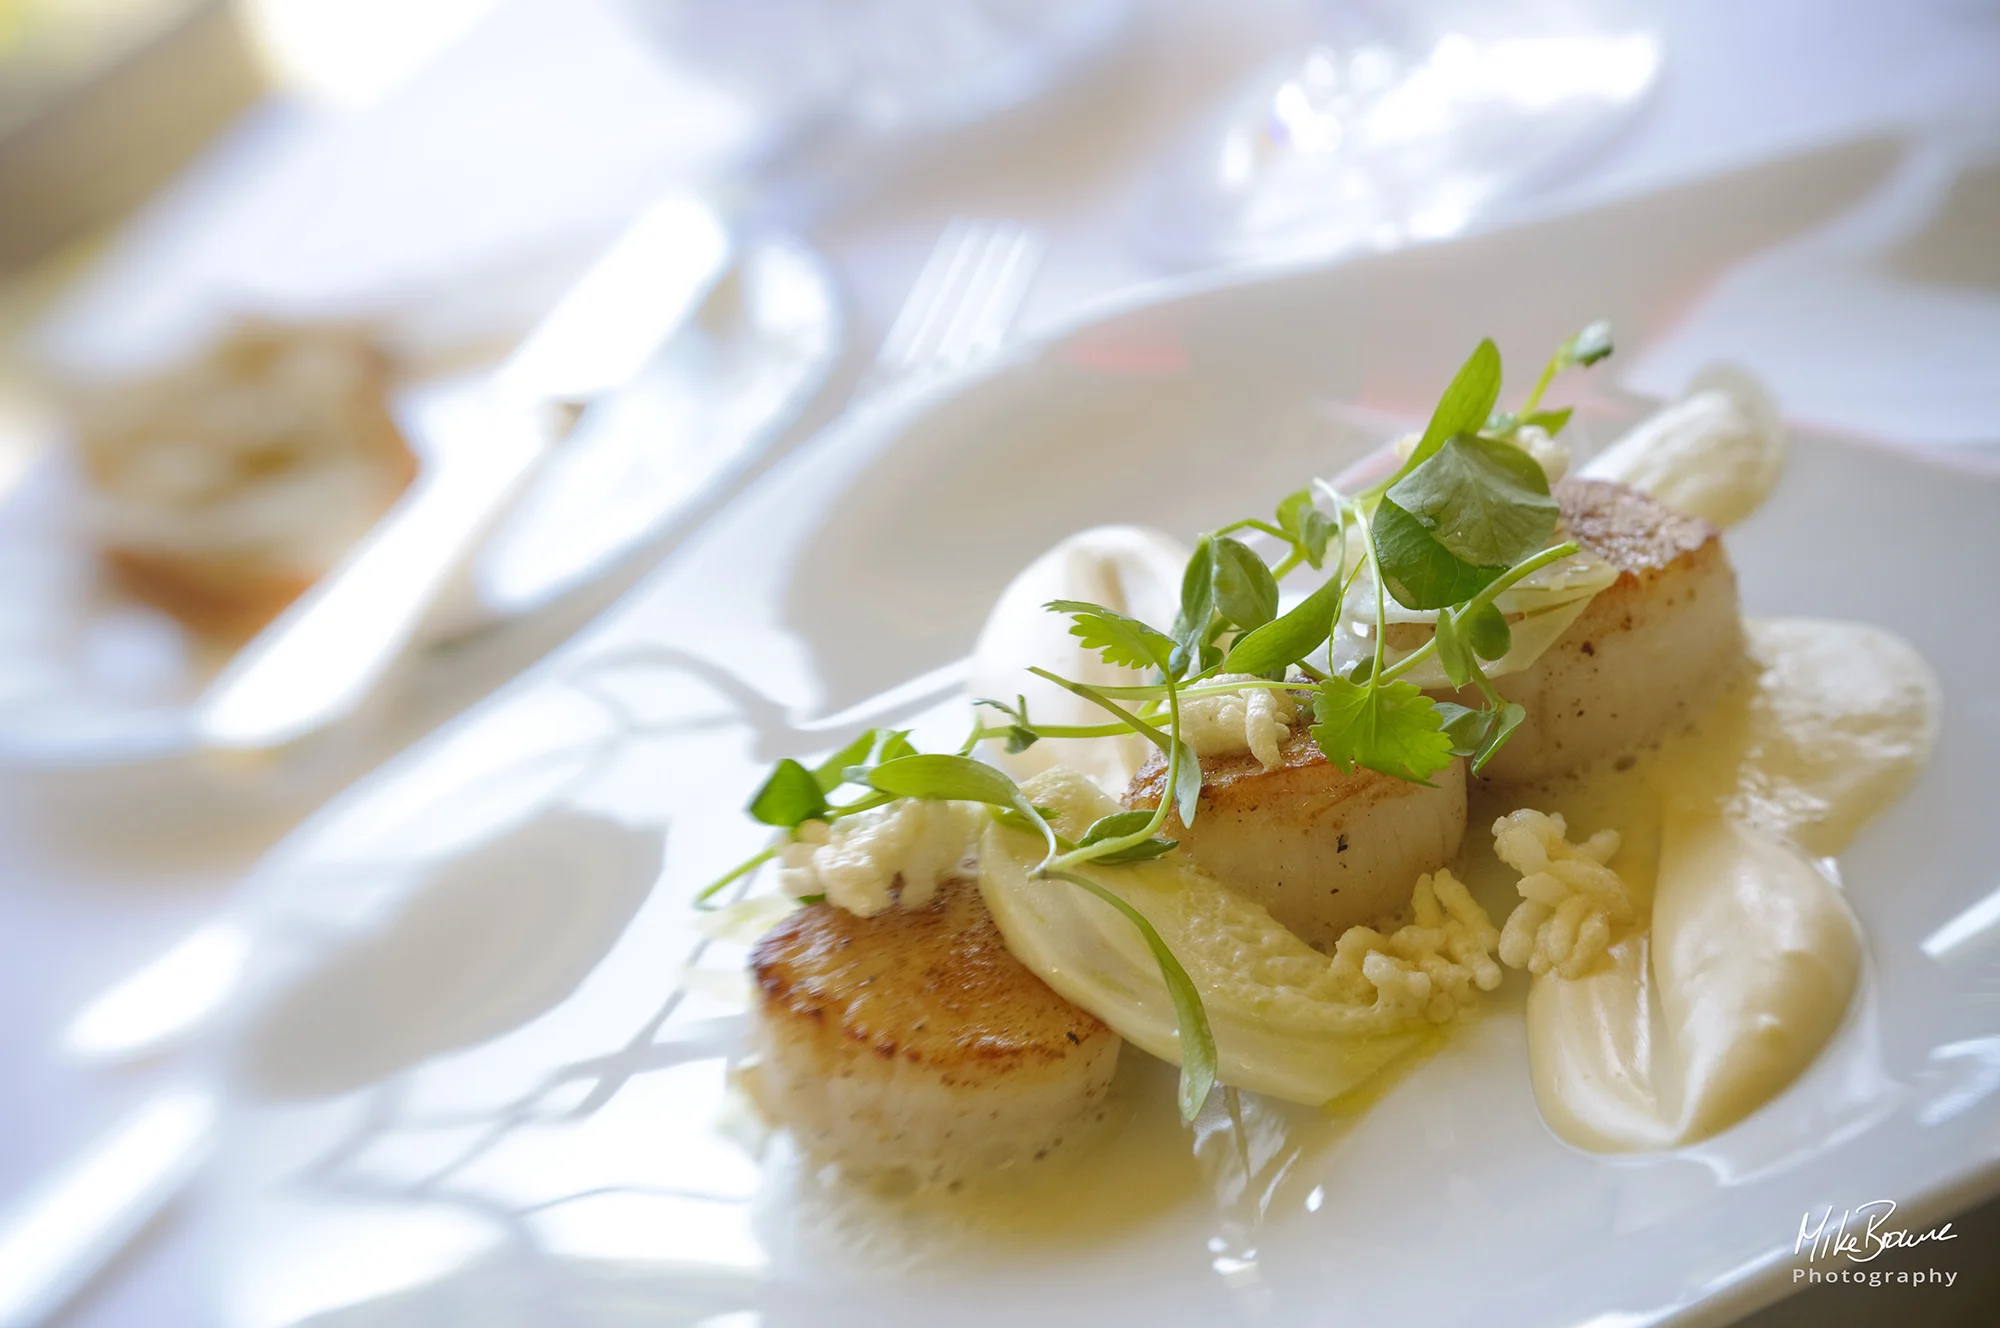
column 1128, row 568
column 1716, row 453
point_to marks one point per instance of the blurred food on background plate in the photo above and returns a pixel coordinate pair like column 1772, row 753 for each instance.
column 222, row 488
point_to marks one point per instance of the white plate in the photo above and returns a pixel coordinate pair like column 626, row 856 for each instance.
column 470, row 1083
column 89, row 679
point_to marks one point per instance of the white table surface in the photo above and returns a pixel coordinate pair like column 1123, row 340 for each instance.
column 1742, row 83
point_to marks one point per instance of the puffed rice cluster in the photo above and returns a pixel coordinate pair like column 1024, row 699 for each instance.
column 1570, row 898
column 1428, row 968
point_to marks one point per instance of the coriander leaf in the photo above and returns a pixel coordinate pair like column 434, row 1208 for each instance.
column 1506, row 722
column 1119, row 639
column 1486, row 502
column 1285, row 641
column 1244, row 589
column 1362, row 669
column 1487, row 632
column 830, row 774
column 1420, row 572
column 1197, row 1040
column 1463, row 408
column 1388, row 727
column 1588, row 346
column 1451, row 652
column 1020, row 739
column 790, row 796
column 1550, row 422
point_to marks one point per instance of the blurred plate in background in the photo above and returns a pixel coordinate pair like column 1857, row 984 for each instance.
column 90, row 679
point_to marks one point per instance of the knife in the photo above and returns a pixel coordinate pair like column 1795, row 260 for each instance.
column 477, row 441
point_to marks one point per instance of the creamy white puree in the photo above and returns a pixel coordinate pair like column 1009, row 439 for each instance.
column 1751, row 957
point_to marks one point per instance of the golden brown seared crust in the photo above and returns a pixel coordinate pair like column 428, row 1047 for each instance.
column 1633, row 531
column 1645, row 654
column 1648, row 542
column 934, row 986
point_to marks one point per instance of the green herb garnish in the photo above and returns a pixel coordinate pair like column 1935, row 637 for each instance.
column 1467, row 515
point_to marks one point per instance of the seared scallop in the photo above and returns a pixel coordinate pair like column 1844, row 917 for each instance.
column 912, row 1044
column 1320, row 850
column 1649, row 652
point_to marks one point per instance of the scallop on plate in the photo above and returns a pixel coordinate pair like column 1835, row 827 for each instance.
column 1503, row 851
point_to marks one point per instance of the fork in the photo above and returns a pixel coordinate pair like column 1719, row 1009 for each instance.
column 963, row 303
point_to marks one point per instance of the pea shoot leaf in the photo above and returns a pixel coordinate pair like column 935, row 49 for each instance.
column 1187, row 784
column 941, row 776
column 1486, row 631
column 1021, row 733
column 831, row 773
column 1308, row 527
column 789, row 797
column 1197, row 1039
column 1464, row 407
column 1505, row 723
column 1144, row 851
column 1467, row 728
column 1388, row 727
column 1486, row 502
column 1244, row 589
column 1480, row 733
column 1117, row 826
column 1197, row 606
column 1551, row 422
column 1013, row 819
column 850, row 764
column 1451, row 653
column 1283, row 642
column 1589, row 346
column 1117, row 638
column 1420, row 572
column 933, row 775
